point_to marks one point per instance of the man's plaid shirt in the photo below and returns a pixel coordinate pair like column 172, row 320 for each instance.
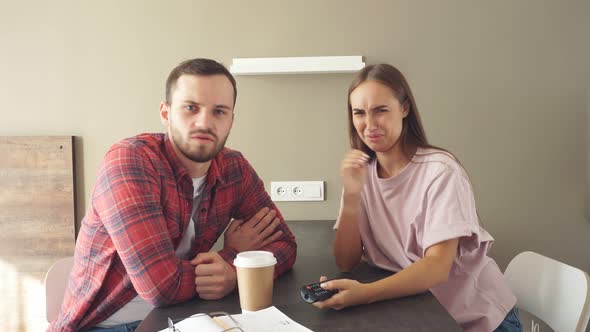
column 140, row 206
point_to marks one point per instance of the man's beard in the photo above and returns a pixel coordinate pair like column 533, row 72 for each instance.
column 197, row 154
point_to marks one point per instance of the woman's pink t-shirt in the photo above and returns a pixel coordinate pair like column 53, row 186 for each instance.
column 431, row 201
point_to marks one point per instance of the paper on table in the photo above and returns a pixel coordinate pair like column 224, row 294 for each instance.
column 266, row 320
column 202, row 323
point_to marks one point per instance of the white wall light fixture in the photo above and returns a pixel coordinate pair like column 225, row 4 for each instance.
column 297, row 65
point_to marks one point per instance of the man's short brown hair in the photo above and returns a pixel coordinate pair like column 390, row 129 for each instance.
column 199, row 67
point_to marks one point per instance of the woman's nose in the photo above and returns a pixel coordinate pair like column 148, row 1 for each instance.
column 370, row 121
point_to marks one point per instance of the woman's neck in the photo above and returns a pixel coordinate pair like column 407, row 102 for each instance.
column 392, row 162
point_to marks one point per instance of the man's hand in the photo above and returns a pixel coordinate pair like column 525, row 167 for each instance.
column 215, row 278
column 253, row 234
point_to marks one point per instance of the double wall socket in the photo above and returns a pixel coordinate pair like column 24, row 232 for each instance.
column 297, row 190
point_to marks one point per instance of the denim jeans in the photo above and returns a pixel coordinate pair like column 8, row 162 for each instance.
column 129, row 327
column 511, row 322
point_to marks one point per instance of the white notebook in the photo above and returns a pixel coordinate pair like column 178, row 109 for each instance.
column 265, row 320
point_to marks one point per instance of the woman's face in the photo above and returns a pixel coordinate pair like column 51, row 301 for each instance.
column 377, row 116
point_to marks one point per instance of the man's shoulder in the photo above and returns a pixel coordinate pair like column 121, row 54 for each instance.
column 232, row 163
column 144, row 141
column 228, row 154
column 229, row 159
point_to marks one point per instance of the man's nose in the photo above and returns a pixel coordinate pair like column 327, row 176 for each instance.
column 204, row 119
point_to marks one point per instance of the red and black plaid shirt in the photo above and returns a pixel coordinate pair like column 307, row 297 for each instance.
column 140, row 206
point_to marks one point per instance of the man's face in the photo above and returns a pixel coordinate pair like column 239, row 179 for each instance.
column 200, row 115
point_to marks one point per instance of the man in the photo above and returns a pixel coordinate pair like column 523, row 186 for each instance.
column 159, row 204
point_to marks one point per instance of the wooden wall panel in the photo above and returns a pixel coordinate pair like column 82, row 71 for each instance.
column 37, row 218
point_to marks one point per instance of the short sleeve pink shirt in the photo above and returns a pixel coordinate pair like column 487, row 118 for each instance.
column 431, row 201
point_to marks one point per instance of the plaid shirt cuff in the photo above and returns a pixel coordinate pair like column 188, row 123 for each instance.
column 228, row 255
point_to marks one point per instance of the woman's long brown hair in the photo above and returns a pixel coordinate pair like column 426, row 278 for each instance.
column 413, row 134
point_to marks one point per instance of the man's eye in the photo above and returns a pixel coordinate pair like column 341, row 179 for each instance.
column 358, row 112
column 189, row 107
column 219, row 111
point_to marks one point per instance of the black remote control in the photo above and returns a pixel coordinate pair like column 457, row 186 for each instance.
column 313, row 292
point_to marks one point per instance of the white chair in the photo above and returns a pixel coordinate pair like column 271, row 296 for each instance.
column 555, row 292
column 56, row 282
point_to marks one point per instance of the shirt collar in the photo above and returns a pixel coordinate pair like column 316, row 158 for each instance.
column 215, row 168
column 177, row 168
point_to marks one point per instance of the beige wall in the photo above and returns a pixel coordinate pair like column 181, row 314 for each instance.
column 502, row 84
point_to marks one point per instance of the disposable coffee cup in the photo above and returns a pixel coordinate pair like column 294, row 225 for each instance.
column 255, row 271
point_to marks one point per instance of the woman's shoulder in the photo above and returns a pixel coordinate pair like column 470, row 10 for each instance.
column 437, row 160
column 440, row 167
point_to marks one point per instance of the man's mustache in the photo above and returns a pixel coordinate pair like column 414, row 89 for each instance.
column 203, row 131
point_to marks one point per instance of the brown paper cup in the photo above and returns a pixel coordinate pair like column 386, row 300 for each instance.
column 255, row 271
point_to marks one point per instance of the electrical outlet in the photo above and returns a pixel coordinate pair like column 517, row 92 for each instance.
column 297, row 190
column 280, row 191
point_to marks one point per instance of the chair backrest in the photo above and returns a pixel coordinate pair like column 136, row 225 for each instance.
column 557, row 293
column 56, row 282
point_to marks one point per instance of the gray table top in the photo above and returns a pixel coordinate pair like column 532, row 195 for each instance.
column 314, row 258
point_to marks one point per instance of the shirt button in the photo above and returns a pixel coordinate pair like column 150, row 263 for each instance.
column 203, row 210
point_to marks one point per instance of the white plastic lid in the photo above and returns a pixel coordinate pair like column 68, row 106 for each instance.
column 255, row 259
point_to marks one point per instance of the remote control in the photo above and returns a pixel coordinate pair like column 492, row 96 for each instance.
column 313, row 292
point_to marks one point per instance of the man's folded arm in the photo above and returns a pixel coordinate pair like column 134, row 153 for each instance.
column 127, row 200
column 253, row 198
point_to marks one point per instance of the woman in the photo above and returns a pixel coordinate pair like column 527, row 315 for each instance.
column 408, row 207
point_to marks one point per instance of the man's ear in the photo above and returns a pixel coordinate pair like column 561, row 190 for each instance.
column 164, row 113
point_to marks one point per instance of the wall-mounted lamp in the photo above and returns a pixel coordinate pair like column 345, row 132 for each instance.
column 297, row 65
